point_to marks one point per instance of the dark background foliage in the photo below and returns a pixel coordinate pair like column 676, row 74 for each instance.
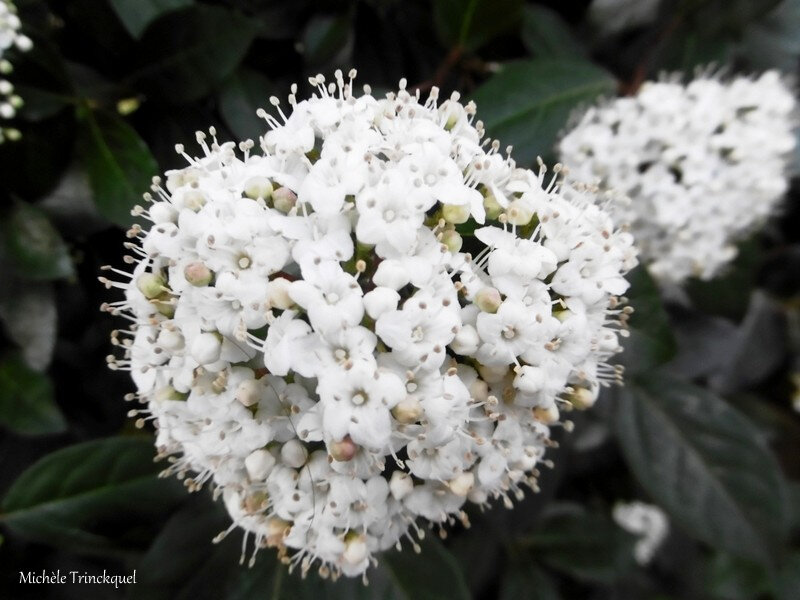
column 704, row 427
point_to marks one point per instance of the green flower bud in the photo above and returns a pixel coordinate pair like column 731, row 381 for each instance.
column 258, row 187
column 455, row 213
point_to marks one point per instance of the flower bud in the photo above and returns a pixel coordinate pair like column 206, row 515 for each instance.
column 255, row 502
column 343, row 450
column 452, row 240
column 492, row 207
column 546, row 414
column 493, row 374
column 170, row 339
column 259, row 464
column 530, row 380
column 462, row 484
column 277, row 530
column 455, row 213
column 258, row 187
column 151, row 285
column 562, row 315
column 249, row 392
column 355, row 549
column 519, row 213
column 284, row 199
column 391, row 274
column 194, row 200
column 400, row 485
column 582, row 398
column 479, row 390
column 380, row 300
column 206, row 348
column 162, row 212
column 488, row 299
column 197, row 274
column 408, row 410
column 170, row 393
column 466, row 341
column 278, row 293
column 294, row 454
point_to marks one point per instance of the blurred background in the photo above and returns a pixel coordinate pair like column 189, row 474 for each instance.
column 710, row 432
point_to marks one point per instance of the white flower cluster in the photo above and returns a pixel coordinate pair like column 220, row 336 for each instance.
column 309, row 334
column 704, row 164
column 10, row 36
column 646, row 521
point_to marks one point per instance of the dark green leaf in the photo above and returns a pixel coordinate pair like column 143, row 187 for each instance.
column 732, row 578
column 32, row 245
column 325, row 39
column 88, row 496
column 119, row 165
column 729, row 293
column 787, row 580
column 651, row 342
column 528, row 103
column 28, row 312
column 758, row 349
column 728, row 16
column 546, row 35
column 26, row 400
column 189, row 52
column 707, row 465
column 473, row 23
column 705, row 343
column 184, row 563
column 774, row 41
column 242, row 95
column 527, row 582
column 590, row 547
column 431, row 575
column 136, row 15
column 71, row 206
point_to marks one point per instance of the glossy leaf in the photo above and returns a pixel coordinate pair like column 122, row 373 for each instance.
column 432, row 575
column 590, row 547
column 473, row 23
column 32, row 245
column 119, row 165
column 184, row 563
column 189, row 52
column 786, row 581
column 136, row 15
column 651, row 342
column 774, row 40
column 527, row 581
column 526, row 104
column 735, row 579
column 88, row 496
column 242, row 95
column 325, row 39
column 758, row 348
column 27, row 404
column 705, row 463
column 546, row 35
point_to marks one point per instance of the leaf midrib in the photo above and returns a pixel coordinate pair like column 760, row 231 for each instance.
column 719, row 485
column 77, row 497
column 578, row 91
